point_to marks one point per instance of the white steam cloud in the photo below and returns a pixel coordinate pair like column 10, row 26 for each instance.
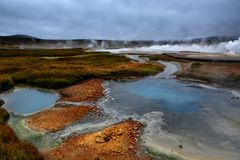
column 231, row 47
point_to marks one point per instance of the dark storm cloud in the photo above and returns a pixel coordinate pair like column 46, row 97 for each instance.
column 120, row 19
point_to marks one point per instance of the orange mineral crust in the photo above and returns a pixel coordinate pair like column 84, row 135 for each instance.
column 56, row 118
column 119, row 142
column 90, row 90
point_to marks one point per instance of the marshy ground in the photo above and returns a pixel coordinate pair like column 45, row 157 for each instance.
column 57, row 69
column 78, row 77
column 31, row 67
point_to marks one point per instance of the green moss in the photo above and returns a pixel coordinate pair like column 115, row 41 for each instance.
column 195, row 65
column 39, row 139
column 148, row 70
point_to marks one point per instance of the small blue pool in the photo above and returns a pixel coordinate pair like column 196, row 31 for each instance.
column 28, row 100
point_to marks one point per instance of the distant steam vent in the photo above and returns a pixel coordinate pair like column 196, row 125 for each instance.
column 224, row 44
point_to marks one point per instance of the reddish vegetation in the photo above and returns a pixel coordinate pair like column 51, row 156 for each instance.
column 7, row 134
column 114, row 143
column 89, row 91
column 56, row 118
column 225, row 74
column 220, row 70
column 12, row 148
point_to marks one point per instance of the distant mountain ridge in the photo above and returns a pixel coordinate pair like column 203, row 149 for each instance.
column 25, row 41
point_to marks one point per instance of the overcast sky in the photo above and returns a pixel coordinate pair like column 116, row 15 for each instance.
column 120, row 19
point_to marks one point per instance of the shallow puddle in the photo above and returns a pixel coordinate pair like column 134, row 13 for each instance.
column 28, row 100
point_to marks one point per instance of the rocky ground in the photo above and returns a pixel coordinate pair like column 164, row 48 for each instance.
column 117, row 142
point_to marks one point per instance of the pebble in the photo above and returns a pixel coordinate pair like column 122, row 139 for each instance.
column 99, row 140
column 180, row 146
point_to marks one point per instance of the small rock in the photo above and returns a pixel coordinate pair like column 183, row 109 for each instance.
column 131, row 147
column 114, row 153
column 180, row 146
column 99, row 139
column 107, row 138
column 234, row 97
column 135, row 128
column 119, row 132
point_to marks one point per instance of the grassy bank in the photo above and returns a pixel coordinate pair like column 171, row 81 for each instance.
column 224, row 74
column 10, row 146
column 65, row 67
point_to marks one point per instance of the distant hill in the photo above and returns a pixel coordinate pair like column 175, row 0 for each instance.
column 18, row 39
column 25, row 41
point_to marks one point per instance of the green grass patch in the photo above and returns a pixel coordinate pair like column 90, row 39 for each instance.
column 74, row 66
column 195, row 65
